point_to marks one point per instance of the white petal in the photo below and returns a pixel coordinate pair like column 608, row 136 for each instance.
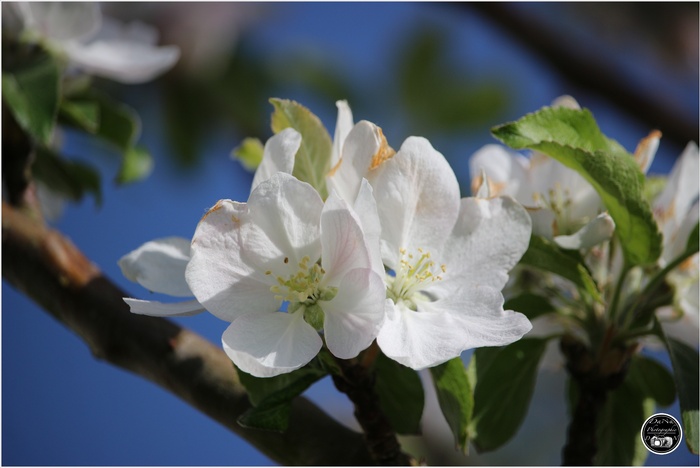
column 680, row 192
column 284, row 217
column 600, row 229
column 217, row 274
column 278, row 155
column 543, row 222
column 342, row 241
column 159, row 265
column 343, row 126
column 62, row 21
column 366, row 209
column 417, row 198
column 675, row 243
column 123, row 61
column 488, row 239
column 506, row 171
column 361, row 145
column 277, row 341
column 441, row 330
column 646, row 150
column 161, row 309
column 353, row 317
column 566, row 101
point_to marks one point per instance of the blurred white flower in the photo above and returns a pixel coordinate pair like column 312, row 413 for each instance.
column 99, row 46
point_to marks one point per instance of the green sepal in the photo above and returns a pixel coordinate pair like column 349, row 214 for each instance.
column 546, row 255
column 456, row 399
column 572, row 137
column 32, row 94
column 400, row 393
column 504, row 382
column 272, row 397
column 312, row 161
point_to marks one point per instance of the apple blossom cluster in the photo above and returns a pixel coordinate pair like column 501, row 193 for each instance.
column 391, row 254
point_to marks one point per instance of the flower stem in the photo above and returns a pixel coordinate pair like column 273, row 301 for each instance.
column 358, row 384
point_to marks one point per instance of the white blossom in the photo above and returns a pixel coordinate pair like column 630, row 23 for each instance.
column 100, row 46
column 285, row 246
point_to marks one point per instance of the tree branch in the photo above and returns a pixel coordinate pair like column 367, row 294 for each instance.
column 48, row 268
column 585, row 68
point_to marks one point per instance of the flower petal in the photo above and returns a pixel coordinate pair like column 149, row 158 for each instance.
column 343, row 126
column 354, row 316
column 506, row 171
column 441, row 330
column 278, row 155
column 268, row 344
column 366, row 209
column 161, row 309
column 218, row 276
column 122, row 60
column 342, row 241
column 159, row 265
column 417, row 198
column 600, row 229
column 361, row 144
column 284, row 216
column 61, row 21
column 489, row 238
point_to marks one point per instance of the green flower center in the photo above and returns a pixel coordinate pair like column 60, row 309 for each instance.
column 302, row 290
column 415, row 272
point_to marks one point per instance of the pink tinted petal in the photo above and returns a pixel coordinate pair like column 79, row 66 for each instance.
column 342, row 241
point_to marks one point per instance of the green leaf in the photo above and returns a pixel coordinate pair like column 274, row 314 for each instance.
column 504, row 386
column 530, row 304
column 82, row 113
column 400, row 393
column 249, row 153
column 272, row 397
column 546, row 255
column 137, row 164
column 623, row 414
column 685, row 362
column 119, row 124
column 572, row 137
column 32, row 93
column 71, row 179
column 312, row 161
column 456, row 399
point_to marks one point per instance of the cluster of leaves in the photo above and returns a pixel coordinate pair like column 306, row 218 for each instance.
column 40, row 95
column 486, row 401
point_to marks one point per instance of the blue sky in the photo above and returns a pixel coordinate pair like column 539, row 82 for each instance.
column 61, row 406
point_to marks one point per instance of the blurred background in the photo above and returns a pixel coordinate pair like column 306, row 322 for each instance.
column 448, row 72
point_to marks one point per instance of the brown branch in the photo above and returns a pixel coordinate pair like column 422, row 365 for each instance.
column 48, row 268
column 583, row 67
column 358, row 384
